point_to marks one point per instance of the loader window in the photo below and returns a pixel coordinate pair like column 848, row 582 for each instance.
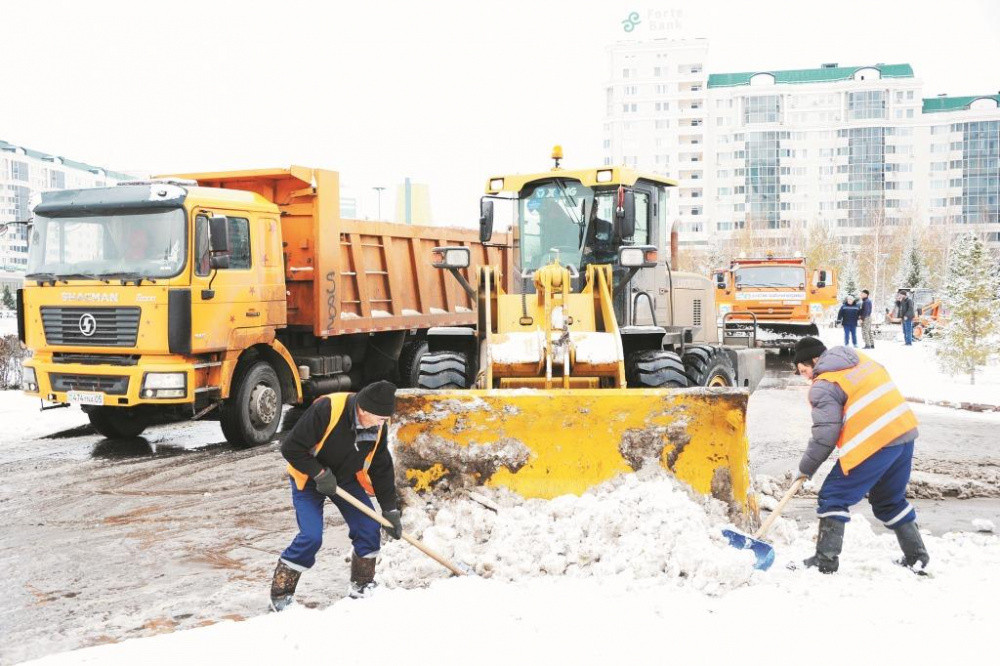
column 552, row 218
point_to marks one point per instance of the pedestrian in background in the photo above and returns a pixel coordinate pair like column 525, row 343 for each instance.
column 848, row 318
column 866, row 319
column 906, row 313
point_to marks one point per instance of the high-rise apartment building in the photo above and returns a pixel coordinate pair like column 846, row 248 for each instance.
column 771, row 152
column 24, row 174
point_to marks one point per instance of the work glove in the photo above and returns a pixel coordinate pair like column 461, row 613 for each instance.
column 326, row 482
column 396, row 518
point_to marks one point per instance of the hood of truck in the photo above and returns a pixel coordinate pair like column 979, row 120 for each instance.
column 100, row 318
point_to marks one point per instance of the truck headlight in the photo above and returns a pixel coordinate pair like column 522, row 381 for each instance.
column 725, row 309
column 29, row 379
column 816, row 308
column 164, row 385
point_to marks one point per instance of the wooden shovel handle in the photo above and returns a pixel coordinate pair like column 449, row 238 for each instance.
column 794, row 488
column 416, row 543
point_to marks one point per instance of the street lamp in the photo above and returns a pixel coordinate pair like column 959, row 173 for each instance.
column 379, row 190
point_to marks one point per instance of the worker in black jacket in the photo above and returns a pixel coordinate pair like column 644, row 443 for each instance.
column 340, row 441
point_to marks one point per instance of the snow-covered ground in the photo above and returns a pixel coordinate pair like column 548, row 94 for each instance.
column 644, row 577
column 916, row 371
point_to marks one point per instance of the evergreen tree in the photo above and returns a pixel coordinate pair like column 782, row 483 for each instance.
column 8, row 298
column 911, row 273
column 848, row 278
column 970, row 292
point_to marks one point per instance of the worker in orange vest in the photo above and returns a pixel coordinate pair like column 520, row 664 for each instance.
column 857, row 409
column 339, row 443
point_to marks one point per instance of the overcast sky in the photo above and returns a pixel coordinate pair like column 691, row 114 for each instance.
column 446, row 93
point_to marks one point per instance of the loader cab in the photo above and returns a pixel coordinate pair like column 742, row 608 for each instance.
column 582, row 217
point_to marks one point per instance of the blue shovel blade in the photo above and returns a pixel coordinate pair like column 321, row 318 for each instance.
column 764, row 552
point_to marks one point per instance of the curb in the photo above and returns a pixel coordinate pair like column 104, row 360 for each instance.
column 967, row 406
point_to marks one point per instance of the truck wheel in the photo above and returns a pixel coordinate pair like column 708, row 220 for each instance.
column 655, row 369
column 708, row 366
column 409, row 363
column 119, row 422
column 444, row 370
column 251, row 414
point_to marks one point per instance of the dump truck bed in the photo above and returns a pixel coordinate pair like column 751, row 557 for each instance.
column 354, row 276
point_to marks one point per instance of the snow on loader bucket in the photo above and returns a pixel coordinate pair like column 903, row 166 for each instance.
column 549, row 442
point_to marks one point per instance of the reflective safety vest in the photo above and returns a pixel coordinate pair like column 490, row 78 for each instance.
column 338, row 401
column 875, row 412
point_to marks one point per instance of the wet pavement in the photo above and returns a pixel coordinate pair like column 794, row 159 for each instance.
column 105, row 541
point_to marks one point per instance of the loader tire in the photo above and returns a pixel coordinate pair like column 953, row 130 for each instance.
column 252, row 412
column 655, row 369
column 409, row 363
column 444, row 370
column 119, row 422
column 708, row 366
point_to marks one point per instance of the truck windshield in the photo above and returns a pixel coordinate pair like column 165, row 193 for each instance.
column 151, row 245
column 789, row 277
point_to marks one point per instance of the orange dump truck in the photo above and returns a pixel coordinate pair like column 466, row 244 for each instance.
column 227, row 295
column 785, row 296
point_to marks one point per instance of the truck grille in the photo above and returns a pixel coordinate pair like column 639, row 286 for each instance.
column 772, row 312
column 92, row 327
column 105, row 383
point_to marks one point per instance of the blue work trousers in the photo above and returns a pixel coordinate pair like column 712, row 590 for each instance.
column 883, row 477
column 851, row 334
column 362, row 530
column 908, row 331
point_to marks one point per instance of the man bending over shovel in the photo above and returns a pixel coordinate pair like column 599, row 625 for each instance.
column 857, row 408
column 341, row 440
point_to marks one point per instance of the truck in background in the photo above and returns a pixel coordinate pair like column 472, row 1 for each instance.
column 227, row 294
column 787, row 297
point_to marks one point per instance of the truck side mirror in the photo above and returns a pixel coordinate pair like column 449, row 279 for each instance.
column 720, row 280
column 625, row 216
column 821, row 280
column 485, row 220
column 218, row 233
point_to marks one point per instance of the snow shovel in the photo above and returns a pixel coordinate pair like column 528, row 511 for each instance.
column 409, row 538
column 763, row 551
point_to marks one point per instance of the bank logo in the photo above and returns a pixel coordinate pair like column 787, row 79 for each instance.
column 88, row 325
column 631, row 22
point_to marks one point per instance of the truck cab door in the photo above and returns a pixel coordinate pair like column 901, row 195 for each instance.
column 223, row 299
column 648, row 280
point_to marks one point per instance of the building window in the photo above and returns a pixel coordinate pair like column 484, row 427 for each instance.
column 19, row 170
column 866, row 104
column 761, row 109
column 57, row 180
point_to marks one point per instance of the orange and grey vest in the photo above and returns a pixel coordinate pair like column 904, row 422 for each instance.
column 337, row 403
column 875, row 413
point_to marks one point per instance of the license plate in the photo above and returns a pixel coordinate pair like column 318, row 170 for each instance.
column 85, row 398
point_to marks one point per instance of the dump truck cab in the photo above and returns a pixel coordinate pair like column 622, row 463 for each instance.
column 150, row 284
column 786, row 296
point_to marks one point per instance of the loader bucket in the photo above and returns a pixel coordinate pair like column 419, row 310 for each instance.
column 549, row 442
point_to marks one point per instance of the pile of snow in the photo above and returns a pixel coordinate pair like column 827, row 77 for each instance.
column 645, row 526
column 643, row 578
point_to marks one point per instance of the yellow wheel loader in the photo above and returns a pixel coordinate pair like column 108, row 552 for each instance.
column 588, row 361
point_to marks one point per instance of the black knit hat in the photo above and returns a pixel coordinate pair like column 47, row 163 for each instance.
column 378, row 398
column 807, row 349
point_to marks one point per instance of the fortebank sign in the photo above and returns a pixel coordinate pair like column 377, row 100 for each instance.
column 89, row 297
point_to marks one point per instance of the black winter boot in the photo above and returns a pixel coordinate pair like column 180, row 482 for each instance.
column 362, row 576
column 283, row 586
column 914, row 553
column 829, row 543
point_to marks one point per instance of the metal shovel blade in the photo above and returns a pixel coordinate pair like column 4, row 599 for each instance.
column 764, row 552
